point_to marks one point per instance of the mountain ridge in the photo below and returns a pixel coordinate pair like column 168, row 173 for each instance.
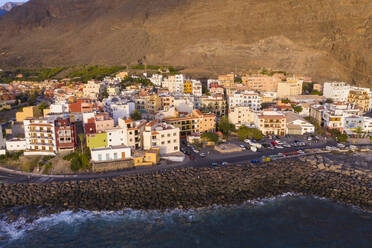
column 326, row 39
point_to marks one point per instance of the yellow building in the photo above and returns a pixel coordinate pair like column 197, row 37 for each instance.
column 187, row 87
column 359, row 97
column 27, row 112
column 196, row 122
column 150, row 157
column 226, row 80
column 97, row 140
column 150, row 103
column 291, row 87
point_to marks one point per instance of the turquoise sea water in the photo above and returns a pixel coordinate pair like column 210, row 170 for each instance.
column 285, row 221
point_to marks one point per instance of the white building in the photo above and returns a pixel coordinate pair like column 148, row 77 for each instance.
column 16, row 145
column 245, row 98
column 197, row 88
column 93, row 89
column 156, row 79
column 59, row 108
column 334, row 114
column 367, row 124
column 109, row 154
column 121, row 110
column 212, row 81
column 184, row 104
column 40, row 137
column 241, row 115
column 163, row 136
column 174, row 83
column 297, row 125
column 115, row 137
column 337, row 91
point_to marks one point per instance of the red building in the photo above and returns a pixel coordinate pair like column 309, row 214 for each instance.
column 90, row 127
column 66, row 135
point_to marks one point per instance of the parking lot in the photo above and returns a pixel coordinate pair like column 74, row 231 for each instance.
column 269, row 148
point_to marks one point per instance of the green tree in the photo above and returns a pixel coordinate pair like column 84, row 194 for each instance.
column 238, row 80
column 213, row 137
column 297, row 108
column 329, row 100
column 315, row 92
column 249, row 133
column 225, row 126
column 136, row 115
column 43, row 105
column 105, row 94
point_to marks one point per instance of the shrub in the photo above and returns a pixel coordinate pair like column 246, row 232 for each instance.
column 76, row 164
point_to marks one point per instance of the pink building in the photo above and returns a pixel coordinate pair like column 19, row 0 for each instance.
column 103, row 122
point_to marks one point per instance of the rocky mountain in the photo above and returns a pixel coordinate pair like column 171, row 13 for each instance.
column 8, row 7
column 326, row 39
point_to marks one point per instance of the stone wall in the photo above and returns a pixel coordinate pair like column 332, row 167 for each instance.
column 192, row 188
column 112, row 165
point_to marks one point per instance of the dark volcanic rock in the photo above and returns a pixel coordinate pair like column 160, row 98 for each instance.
column 191, row 188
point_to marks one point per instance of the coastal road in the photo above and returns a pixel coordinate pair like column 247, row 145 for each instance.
column 7, row 176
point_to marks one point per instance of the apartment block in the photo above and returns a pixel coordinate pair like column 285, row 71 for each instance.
column 149, row 103
column 174, row 83
column 103, row 122
column 334, row 114
column 163, row 136
column 245, row 98
column 227, row 80
column 66, row 134
column 361, row 98
column 93, row 89
column 196, row 88
column 40, row 137
column 187, row 87
column 261, row 83
column 215, row 104
column 133, row 131
column 271, row 123
column 291, row 87
column 241, row 115
column 337, row 91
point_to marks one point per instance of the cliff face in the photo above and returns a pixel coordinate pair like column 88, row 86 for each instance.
column 326, row 39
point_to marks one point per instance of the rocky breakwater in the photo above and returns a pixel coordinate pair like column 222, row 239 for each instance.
column 192, row 188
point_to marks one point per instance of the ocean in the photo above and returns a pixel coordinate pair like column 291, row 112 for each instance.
column 285, row 221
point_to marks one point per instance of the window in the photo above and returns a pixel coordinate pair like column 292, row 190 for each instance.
column 107, row 156
column 99, row 157
column 115, row 156
column 176, row 148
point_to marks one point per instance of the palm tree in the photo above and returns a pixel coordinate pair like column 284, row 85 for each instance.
column 81, row 138
column 359, row 130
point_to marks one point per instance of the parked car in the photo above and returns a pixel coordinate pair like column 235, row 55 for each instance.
column 253, row 149
column 300, row 152
column 202, row 154
column 247, row 140
column 340, row 145
column 279, row 147
column 352, row 147
column 214, row 164
column 287, row 145
column 224, row 163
